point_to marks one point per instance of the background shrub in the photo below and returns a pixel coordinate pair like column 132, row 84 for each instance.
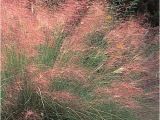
column 126, row 8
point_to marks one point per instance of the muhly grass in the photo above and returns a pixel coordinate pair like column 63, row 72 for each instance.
column 92, row 110
column 48, row 53
column 15, row 64
column 73, row 86
column 14, row 68
column 150, row 109
column 105, row 80
column 32, row 104
column 29, row 100
column 95, row 55
column 92, row 59
column 136, row 75
column 66, row 57
column 151, row 49
column 96, row 39
column 2, row 94
column 43, row 107
column 110, row 111
column 47, row 109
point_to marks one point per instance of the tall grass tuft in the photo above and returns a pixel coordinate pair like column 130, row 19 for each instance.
column 48, row 53
column 35, row 105
column 14, row 65
column 72, row 86
column 40, row 107
column 109, row 111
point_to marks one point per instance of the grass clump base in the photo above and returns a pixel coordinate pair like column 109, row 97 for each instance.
column 15, row 63
column 34, row 105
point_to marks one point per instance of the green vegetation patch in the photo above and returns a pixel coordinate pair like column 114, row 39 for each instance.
column 48, row 53
column 110, row 111
column 2, row 95
column 44, row 108
column 150, row 108
column 92, row 59
column 106, row 79
column 72, row 86
column 14, row 65
column 41, row 108
column 96, row 39
column 151, row 49
column 66, row 57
